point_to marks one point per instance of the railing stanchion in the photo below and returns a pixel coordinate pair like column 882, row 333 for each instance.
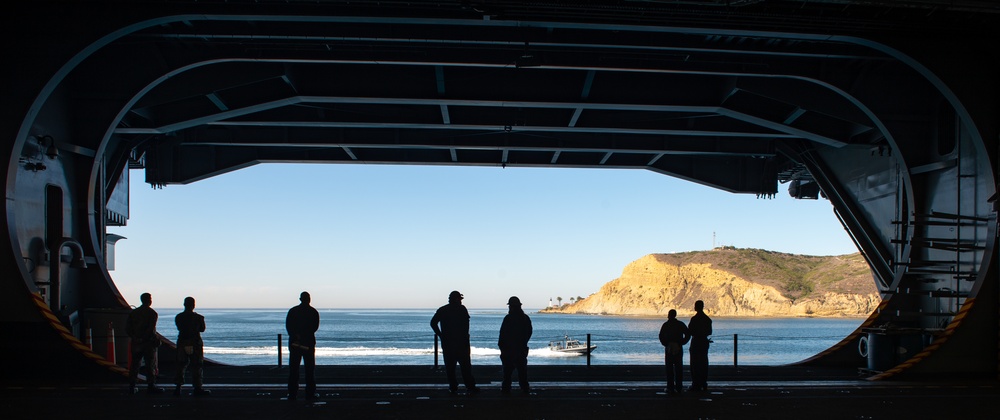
column 736, row 348
column 279, row 351
column 588, row 349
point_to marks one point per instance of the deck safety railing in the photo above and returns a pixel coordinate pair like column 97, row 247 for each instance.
column 227, row 348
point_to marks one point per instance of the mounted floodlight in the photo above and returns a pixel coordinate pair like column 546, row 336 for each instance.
column 49, row 144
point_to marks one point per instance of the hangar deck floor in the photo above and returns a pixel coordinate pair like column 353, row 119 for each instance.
column 635, row 392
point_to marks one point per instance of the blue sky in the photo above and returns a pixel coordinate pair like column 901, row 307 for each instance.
column 380, row 236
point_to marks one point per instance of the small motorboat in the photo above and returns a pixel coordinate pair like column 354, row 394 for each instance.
column 570, row 345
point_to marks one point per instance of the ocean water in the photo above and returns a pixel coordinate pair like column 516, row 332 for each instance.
column 404, row 337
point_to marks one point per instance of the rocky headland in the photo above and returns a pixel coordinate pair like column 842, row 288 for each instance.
column 736, row 283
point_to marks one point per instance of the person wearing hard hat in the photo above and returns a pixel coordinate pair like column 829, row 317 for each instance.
column 515, row 331
column 451, row 324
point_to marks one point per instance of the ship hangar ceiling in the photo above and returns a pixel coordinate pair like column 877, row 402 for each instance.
column 701, row 106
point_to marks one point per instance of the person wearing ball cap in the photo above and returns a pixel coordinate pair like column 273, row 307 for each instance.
column 515, row 331
column 451, row 324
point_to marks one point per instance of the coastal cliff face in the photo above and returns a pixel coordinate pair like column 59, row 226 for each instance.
column 737, row 282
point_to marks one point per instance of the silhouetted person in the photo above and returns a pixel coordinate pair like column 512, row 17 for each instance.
column 141, row 329
column 515, row 331
column 700, row 328
column 190, row 348
column 674, row 335
column 302, row 323
column 454, row 333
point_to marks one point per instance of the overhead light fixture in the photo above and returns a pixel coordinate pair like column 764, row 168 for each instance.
column 49, row 144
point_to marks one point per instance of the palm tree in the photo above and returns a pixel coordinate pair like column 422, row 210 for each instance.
column 559, row 299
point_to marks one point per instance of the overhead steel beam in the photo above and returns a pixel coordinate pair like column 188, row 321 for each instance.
column 783, row 130
column 506, row 128
column 217, row 101
column 408, row 101
column 707, row 151
column 194, row 122
column 592, row 47
column 587, row 84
